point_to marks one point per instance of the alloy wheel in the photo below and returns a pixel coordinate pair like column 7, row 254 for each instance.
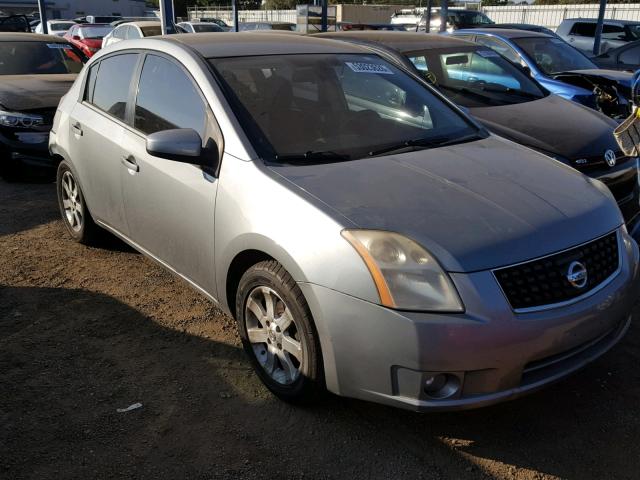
column 274, row 335
column 71, row 202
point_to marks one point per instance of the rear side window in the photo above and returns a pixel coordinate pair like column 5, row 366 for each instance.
column 613, row 32
column 91, row 82
column 112, row 84
column 583, row 29
column 631, row 56
column 159, row 107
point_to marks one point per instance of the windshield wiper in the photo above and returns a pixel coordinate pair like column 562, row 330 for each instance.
column 311, row 157
column 420, row 143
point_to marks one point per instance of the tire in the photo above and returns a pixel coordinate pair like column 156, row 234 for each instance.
column 277, row 342
column 73, row 209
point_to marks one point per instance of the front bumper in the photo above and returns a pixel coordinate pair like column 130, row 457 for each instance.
column 29, row 149
column 382, row 355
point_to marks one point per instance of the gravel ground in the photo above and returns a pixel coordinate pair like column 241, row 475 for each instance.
column 86, row 331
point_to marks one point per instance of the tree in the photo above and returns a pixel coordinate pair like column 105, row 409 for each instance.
column 280, row 4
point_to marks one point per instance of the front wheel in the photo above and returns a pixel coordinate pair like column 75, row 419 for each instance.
column 278, row 334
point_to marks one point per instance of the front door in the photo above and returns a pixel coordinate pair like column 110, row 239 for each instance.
column 170, row 205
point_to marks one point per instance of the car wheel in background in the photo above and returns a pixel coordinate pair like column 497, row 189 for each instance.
column 75, row 215
column 278, row 334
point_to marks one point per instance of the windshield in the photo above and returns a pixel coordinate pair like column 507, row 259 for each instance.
column 61, row 25
column 206, row 28
column 151, row 31
column 350, row 105
column 95, row 32
column 553, row 55
column 475, row 77
column 32, row 58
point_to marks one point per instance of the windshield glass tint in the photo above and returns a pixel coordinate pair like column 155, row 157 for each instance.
column 61, row 25
column 151, row 31
column 553, row 55
column 95, row 32
column 32, row 58
column 469, row 18
column 344, row 104
column 475, row 78
column 206, row 28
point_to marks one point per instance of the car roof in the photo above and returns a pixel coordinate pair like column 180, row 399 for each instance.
column 141, row 24
column 401, row 41
column 505, row 32
column 606, row 20
column 30, row 37
column 214, row 45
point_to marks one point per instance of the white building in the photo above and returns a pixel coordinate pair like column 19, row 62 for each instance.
column 76, row 8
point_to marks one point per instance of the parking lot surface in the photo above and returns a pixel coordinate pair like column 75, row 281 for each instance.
column 87, row 331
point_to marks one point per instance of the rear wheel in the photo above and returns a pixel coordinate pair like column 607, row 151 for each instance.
column 75, row 215
column 278, row 334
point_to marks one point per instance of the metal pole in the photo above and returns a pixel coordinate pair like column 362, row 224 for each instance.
column 324, row 15
column 167, row 17
column 234, row 8
column 43, row 16
column 444, row 10
column 596, row 40
column 427, row 17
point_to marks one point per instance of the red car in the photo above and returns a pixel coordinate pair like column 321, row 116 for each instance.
column 88, row 37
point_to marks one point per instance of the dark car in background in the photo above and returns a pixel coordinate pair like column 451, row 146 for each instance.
column 88, row 36
column 626, row 57
column 35, row 72
column 560, row 68
column 513, row 105
column 348, row 26
column 15, row 23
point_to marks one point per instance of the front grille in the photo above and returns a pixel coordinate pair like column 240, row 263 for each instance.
column 543, row 282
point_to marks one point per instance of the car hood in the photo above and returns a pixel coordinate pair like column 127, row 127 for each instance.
column 623, row 78
column 475, row 206
column 30, row 92
column 550, row 124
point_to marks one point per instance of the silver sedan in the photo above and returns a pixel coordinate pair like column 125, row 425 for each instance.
column 368, row 237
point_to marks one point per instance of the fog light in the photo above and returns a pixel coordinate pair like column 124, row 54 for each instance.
column 441, row 385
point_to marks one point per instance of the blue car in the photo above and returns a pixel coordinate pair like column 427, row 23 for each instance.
column 559, row 67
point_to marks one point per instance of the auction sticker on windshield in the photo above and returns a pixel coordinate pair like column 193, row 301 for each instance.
column 59, row 45
column 361, row 67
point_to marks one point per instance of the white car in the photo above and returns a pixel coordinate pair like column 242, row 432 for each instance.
column 56, row 27
column 200, row 27
column 132, row 30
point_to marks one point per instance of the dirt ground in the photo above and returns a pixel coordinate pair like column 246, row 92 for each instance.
column 85, row 331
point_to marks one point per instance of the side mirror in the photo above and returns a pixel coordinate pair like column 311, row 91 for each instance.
column 180, row 145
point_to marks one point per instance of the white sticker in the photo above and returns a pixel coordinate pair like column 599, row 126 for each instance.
column 361, row 67
column 487, row 53
column 62, row 46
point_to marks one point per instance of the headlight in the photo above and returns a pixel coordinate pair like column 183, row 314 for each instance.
column 406, row 275
column 20, row 120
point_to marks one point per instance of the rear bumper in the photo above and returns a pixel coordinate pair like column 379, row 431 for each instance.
column 382, row 355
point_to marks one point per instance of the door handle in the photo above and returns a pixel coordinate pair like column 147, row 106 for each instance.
column 129, row 161
column 77, row 128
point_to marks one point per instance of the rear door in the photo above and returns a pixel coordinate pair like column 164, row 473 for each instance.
column 629, row 58
column 170, row 205
column 97, row 127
